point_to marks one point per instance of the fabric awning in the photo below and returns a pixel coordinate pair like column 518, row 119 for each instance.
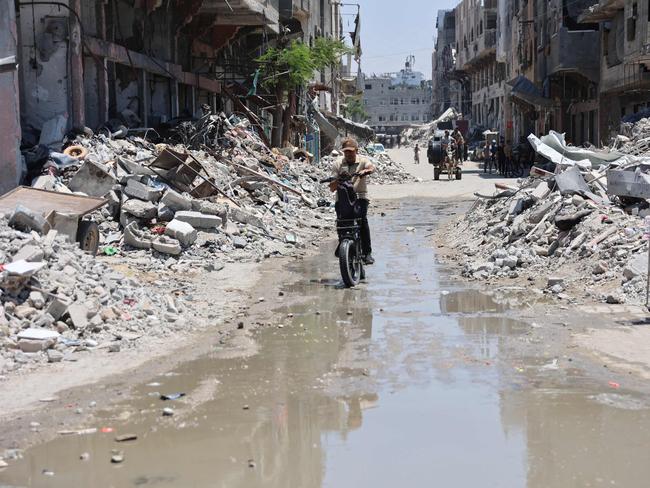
column 526, row 91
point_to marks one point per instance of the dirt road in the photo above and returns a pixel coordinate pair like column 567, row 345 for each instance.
column 473, row 180
column 408, row 379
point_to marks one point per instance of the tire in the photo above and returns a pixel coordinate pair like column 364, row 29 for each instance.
column 349, row 263
column 436, row 173
column 459, row 174
column 88, row 236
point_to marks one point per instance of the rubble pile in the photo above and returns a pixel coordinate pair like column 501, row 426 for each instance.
column 634, row 138
column 576, row 228
column 58, row 301
column 388, row 171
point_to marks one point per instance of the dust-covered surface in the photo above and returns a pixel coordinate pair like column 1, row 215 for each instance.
column 366, row 384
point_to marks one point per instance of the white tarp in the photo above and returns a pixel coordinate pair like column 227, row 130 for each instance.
column 553, row 155
column 556, row 141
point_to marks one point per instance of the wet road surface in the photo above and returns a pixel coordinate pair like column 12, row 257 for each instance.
column 408, row 380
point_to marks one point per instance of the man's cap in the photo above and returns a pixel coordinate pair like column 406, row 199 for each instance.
column 350, row 145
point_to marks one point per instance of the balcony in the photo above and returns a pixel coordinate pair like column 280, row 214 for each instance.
column 575, row 52
column 299, row 9
column 602, row 11
column 243, row 12
column 482, row 47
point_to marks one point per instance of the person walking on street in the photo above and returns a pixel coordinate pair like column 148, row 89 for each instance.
column 416, row 154
column 460, row 142
column 352, row 163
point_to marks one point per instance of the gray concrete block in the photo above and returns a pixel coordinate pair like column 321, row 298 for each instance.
column 198, row 219
column 140, row 209
column 184, row 232
column 25, row 219
column 29, row 253
column 176, row 201
column 144, row 192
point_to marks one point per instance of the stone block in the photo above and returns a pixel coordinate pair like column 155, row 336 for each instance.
column 165, row 213
column 25, row 219
column 239, row 242
column 184, row 232
column 57, row 308
column 79, row 315
column 135, row 237
column 176, row 201
column 198, row 220
column 167, row 245
column 29, row 253
column 140, row 209
column 139, row 190
column 637, row 266
column 541, row 191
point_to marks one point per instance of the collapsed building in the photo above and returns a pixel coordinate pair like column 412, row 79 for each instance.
column 82, row 64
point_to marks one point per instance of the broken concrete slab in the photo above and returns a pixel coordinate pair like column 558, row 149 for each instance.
column 78, row 313
column 184, row 232
column 568, row 222
column 135, row 237
column 92, row 179
column 541, row 191
column 628, row 184
column 25, row 219
column 29, row 253
column 167, row 245
column 199, row 220
column 144, row 192
column 571, row 181
column 176, row 201
column 140, row 209
column 637, row 266
column 57, row 308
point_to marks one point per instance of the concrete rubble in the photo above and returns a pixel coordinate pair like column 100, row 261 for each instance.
column 576, row 231
column 231, row 201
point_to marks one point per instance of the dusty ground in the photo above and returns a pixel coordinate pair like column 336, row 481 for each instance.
column 604, row 342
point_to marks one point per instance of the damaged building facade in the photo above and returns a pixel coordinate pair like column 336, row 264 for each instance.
column 139, row 64
column 445, row 87
column 575, row 66
column 396, row 101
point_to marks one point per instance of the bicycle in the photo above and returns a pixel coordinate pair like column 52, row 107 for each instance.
column 348, row 226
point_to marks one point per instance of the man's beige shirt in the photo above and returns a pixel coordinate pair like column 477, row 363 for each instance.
column 360, row 184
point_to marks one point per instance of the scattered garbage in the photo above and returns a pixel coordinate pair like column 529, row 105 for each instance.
column 172, row 396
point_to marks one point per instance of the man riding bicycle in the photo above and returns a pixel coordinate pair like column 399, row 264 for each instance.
column 352, row 163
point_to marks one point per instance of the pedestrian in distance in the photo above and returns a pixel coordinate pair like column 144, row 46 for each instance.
column 416, row 153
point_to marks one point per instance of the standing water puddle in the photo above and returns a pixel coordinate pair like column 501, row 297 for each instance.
column 395, row 383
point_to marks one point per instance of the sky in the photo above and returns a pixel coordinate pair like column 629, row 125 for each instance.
column 393, row 29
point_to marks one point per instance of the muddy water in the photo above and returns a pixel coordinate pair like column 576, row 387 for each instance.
column 408, row 380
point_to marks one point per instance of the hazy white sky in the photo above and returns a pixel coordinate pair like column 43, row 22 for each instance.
column 393, row 29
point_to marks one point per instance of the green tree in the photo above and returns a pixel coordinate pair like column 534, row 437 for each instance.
column 355, row 110
column 289, row 67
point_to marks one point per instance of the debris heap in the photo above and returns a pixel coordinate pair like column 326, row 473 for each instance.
column 214, row 191
column 58, row 300
column 578, row 229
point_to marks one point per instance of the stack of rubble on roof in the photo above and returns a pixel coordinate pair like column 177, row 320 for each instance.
column 580, row 225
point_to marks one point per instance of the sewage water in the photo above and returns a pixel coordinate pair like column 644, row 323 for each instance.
column 407, row 380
